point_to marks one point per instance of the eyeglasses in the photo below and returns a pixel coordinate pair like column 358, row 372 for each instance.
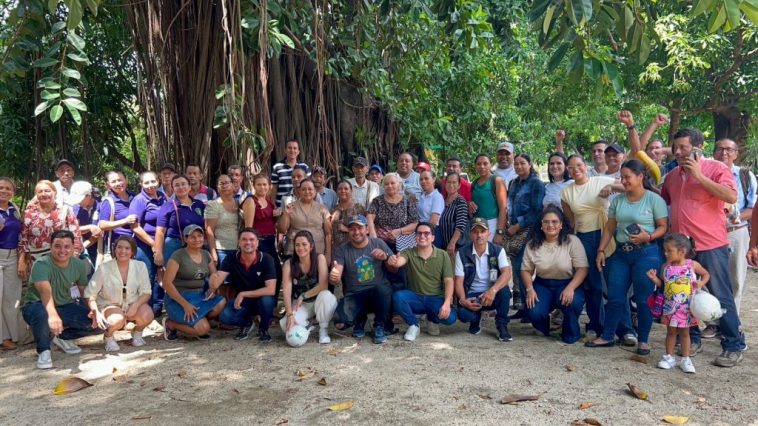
column 551, row 222
column 725, row 149
column 224, row 183
column 423, row 234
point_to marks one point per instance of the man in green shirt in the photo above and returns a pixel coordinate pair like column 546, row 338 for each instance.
column 49, row 309
column 430, row 283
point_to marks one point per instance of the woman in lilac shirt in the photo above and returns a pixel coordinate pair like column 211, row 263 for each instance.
column 175, row 215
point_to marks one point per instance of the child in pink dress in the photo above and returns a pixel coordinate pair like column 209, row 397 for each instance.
column 680, row 282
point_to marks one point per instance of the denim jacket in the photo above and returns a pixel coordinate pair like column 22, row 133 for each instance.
column 525, row 200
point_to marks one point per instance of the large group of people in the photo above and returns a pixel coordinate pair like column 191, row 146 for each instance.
column 597, row 238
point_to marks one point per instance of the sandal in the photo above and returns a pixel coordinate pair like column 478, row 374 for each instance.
column 592, row 344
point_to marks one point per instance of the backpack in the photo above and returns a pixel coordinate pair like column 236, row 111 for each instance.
column 745, row 181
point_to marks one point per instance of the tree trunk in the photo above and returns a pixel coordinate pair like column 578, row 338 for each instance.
column 729, row 122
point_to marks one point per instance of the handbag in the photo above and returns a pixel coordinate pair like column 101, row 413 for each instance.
column 405, row 241
column 655, row 301
column 515, row 244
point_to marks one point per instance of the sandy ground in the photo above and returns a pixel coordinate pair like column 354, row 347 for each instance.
column 454, row 378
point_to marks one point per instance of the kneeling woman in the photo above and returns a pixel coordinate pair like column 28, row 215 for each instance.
column 189, row 307
column 118, row 292
column 559, row 266
column 304, row 284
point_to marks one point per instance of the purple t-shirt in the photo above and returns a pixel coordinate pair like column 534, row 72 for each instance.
column 146, row 209
column 187, row 216
column 87, row 217
column 122, row 211
column 11, row 229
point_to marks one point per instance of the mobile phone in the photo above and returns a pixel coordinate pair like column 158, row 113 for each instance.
column 633, row 229
column 696, row 154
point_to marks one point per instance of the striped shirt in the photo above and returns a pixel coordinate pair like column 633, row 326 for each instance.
column 281, row 176
column 454, row 216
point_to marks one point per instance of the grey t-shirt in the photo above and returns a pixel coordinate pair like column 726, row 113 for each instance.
column 191, row 275
column 361, row 271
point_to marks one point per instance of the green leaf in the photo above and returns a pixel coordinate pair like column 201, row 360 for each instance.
column 751, row 12
column 41, row 108
column 732, row 12
column 71, row 92
column 702, row 6
column 636, row 36
column 92, row 6
column 58, row 26
column 75, row 13
column 78, row 57
column 51, row 85
column 47, row 95
column 582, row 10
column 75, row 103
column 593, row 68
column 52, row 6
column 75, row 41
column 548, row 19
column 55, row 113
column 556, row 57
column 628, row 18
column 71, row 73
column 717, row 20
column 74, row 114
column 45, row 62
column 644, row 48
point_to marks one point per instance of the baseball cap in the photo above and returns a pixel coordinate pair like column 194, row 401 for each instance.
column 360, row 161
column 79, row 190
column 505, row 146
column 423, row 165
column 357, row 219
column 615, row 148
column 62, row 162
column 189, row 229
column 376, row 167
column 168, row 166
column 480, row 222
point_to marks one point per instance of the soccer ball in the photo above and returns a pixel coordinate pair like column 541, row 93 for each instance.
column 297, row 336
column 705, row 307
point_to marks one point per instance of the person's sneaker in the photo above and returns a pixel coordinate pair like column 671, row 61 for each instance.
column 391, row 332
column 323, row 336
column 629, row 340
column 66, row 346
column 556, row 318
column 204, row 337
column 728, row 359
column 412, row 333
column 694, row 349
column 709, row 332
column 433, row 328
column 519, row 314
column 244, row 332
column 475, row 327
column 168, row 334
column 137, row 339
column 517, row 304
column 111, row 345
column 379, row 336
column 667, row 362
column 45, row 360
column 590, row 335
column 502, row 333
column 263, row 336
column 686, row 365
column 359, row 331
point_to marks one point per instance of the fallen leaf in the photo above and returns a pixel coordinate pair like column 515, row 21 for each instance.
column 638, row 393
column 322, row 382
column 114, row 370
column 512, row 399
column 569, row 368
column 485, row 396
column 639, row 358
column 160, row 388
column 593, row 422
column 675, row 420
column 142, row 417
column 577, row 423
column 236, row 391
column 585, row 405
column 305, row 374
column 342, row 406
column 182, row 373
column 70, row 385
column 120, row 378
column 282, row 421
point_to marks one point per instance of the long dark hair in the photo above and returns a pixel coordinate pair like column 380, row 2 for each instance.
column 638, row 168
column 565, row 166
column 295, row 267
column 682, row 242
column 538, row 237
column 528, row 159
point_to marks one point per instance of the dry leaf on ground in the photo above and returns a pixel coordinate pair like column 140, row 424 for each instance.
column 322, row 382
column 593, row 422
column 675, row 420
column 569, row 367
column 585, row 405
column 638, row 393
column 305, row 374
column 282, row 421
column 342, row 406
column 485, row 396
column 639, row 358
column 70, row 385
column 146, row 417
column 159, row 388
column 120, row 378
column 512, row 399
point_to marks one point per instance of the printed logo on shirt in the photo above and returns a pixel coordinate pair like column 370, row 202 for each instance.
column 198, row 211
column 365, row 267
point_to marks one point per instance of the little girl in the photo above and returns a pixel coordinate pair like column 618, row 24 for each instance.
column 680, row 282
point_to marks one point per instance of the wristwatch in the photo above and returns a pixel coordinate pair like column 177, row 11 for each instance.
column 500, row 232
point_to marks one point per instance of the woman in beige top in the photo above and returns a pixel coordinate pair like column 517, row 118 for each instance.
column 118, row 292
column 306, row 214
column 222, row 221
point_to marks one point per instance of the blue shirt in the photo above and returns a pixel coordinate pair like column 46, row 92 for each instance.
column 146, row 209
column 744, row 201
column 121, row 212
column 188, row 215
column 11, row 228
column 525, row 200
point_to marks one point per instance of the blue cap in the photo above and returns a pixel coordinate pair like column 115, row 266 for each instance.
column 376, row 167
column 359, row 219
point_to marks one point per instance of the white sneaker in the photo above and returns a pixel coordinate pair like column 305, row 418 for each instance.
column 629, row 340
column 111, row 345
column 590, row 335
column 137, row 339
column 66, row 346
column 411, row 333
column 667, row 362
column 433, row 328
column 686, row 365
column 323, row 336
column 45, row 360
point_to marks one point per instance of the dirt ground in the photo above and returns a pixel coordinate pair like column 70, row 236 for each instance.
column 454, row 378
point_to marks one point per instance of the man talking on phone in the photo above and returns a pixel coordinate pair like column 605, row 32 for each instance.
column 696, row 191
column 482, row 273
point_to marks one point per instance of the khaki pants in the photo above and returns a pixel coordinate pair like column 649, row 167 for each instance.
column 739, row 240
column 11, row 324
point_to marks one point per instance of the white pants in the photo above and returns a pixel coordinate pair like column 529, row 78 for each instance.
column 10, row 296
column 739, row 240
column 322, row 309
column 492, row 223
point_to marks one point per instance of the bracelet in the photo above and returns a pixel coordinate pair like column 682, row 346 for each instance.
column 631, row 127
column 291, row 314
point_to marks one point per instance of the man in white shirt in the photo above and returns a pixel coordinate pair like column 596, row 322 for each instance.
column 64, row 171
column 504, row 167
column 364, row 190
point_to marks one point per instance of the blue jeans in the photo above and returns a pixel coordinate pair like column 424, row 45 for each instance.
column 625, row 269
column 716, row 262
column 593, row 284
column 516, row 262
column 76, row 323
column 501, row 304
column 170, row 245
column 549, row 298
column 268, row 245
column 408, row 304
column 378, row 299
column 145, row 255
column 175, row 311
column 243, row 317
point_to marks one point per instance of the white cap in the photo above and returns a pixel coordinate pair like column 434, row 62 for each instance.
column 78, row 191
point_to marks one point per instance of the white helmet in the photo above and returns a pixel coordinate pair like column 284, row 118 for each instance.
column 297, row 336
column 705, row 307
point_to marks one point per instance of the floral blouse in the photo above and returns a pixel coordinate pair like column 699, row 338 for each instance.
column 393, row 216
column 39, row 226
column 340, row 237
